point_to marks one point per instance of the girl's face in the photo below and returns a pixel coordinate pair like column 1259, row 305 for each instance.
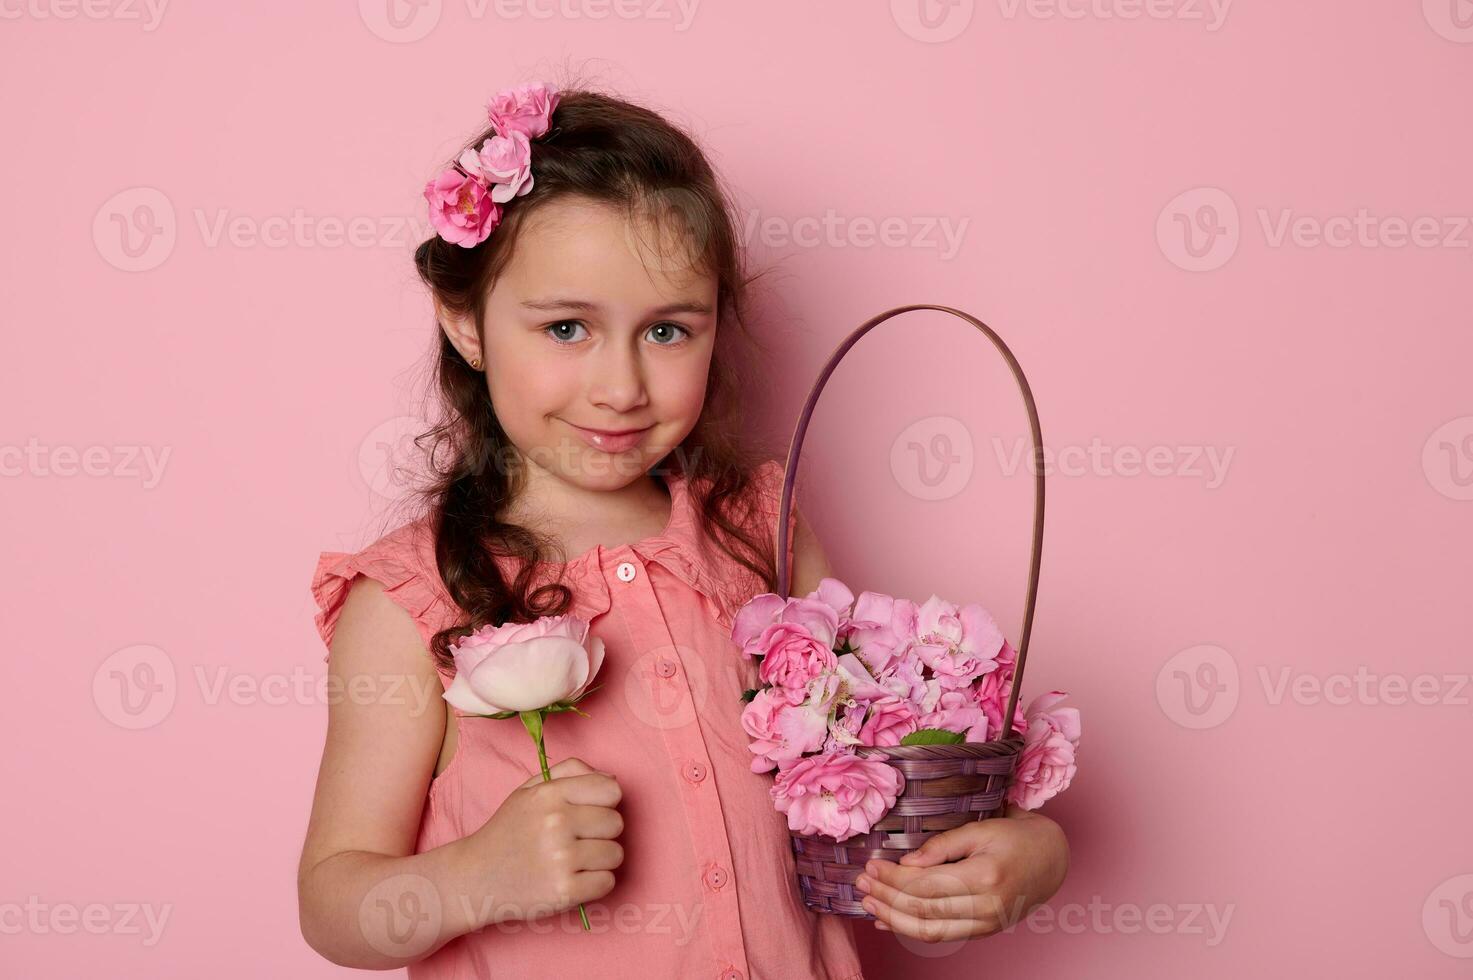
column 596, row 324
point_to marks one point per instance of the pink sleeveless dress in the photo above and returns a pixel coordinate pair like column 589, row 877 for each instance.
column 707, row 888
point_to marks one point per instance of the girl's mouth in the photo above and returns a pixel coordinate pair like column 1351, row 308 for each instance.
column 611, row 442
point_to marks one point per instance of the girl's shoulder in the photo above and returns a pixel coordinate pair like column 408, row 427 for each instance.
column 403, row 562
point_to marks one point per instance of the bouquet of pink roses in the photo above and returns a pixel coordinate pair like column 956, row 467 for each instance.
column 842, row 674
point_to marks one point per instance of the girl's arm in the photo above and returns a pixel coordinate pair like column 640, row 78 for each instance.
column 386, row 723
column 810, row 564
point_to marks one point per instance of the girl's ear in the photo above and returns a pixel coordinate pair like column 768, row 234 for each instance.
column 461, row 331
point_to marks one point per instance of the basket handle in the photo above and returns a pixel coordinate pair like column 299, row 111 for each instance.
column 784, row 576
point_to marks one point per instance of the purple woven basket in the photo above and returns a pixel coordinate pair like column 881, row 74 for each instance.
column 945, row 785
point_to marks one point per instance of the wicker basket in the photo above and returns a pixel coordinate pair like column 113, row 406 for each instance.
column 945, row 785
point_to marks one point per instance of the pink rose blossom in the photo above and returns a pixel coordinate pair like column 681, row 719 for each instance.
column 857, row 678
column 794, row 657
column 838, row 794
column 881, row 628
column 461, row 210
column 889, row 720
column 906, row 676
column 904, row 679
column 794, row 638
column 780, row 730
column 844, row 730
column 505, row 162
column 958, row 645
column 525, row 109
column 523, row 666
column 840, row 675
column 1047, row 763
column 761, row 612
column 954, row 711
column 756, row 615
column 991, row 692
column 836, row 595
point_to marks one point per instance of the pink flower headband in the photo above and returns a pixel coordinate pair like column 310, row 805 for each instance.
column 465, row 200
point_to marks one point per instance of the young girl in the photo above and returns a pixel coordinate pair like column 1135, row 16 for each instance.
column 587, row 283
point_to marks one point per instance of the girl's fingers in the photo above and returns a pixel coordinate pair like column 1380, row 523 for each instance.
column 590, row 789
column 596, row 822
column 558, row 770
column 927, row 930
column 598, row 855
column 941, row 907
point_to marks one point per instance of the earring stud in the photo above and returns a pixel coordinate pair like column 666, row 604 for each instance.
column 476, row 363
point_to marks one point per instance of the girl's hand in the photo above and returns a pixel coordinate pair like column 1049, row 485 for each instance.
column 973, row 880
column 550, row 845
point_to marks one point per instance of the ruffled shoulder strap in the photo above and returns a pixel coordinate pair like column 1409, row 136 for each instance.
column 398, row 562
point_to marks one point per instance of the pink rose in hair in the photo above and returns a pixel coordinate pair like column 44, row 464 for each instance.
column 1047, row 763
column 505, row 162
column 461, row 210
column 838, row 794
column 958, row 645
column 525, row 109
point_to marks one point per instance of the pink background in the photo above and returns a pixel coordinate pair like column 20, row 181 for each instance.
column 1329, row 831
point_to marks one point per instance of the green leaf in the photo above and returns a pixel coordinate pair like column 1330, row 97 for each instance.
column 933, row 736
column 749, row 695
column 532, row 720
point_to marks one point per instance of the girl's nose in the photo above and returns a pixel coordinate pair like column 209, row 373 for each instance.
column 618, row 382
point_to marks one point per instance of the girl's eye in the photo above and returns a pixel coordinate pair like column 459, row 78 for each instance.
column 668, row 329
column 556, row 333
column 560, row 332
